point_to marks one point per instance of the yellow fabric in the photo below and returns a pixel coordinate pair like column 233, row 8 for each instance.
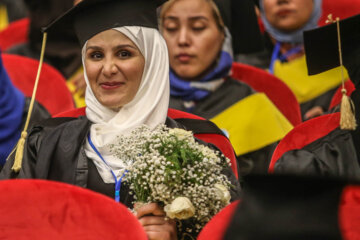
column 253, row 123
column 78, row 99
column 4, row 21
column 294, row 75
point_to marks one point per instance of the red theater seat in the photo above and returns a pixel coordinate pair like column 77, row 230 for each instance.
column 218, row 140
column 280, row 94
column 42, row 210
column 15, row 33
column 52, row 91
column 216, row 227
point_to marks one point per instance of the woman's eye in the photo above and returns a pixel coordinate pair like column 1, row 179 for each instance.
column 171, row 29
column 96, row 55
column 124, row 54
column 198, row 29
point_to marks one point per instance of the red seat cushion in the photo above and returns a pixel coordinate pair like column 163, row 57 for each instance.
column 52, row 91
column 15, row 33
column 216, row 227
column 38, row 209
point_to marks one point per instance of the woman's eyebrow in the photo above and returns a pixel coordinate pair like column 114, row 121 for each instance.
column 124, row 46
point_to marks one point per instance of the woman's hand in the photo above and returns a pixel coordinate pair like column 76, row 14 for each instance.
column 314, row 112
column 152, row 218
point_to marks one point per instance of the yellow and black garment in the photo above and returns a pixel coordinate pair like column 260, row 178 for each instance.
column 250, row 120
column 307, row 88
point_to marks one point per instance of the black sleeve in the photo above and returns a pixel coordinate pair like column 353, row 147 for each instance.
column 332, row 155
column 32, row 144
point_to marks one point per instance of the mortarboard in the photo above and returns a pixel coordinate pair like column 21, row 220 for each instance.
column 90, row 17
column 321, row 44
column 328, row 47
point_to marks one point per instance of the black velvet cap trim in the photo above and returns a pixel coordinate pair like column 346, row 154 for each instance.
column 321, row 44
column 90, row 17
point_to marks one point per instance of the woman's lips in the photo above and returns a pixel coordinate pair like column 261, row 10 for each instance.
column 184, row 58
column 111, row 85
column 284, row 13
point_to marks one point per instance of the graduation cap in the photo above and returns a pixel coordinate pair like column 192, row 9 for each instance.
column 88, row 18
column 322, row 46
column 240, row 18
column 328, row 47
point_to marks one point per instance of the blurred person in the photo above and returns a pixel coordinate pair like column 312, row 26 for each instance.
column 14, row 107
column 284, row 22
column 200, row 50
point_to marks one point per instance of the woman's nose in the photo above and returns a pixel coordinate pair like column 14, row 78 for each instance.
column 183, row 38
column 109, row 68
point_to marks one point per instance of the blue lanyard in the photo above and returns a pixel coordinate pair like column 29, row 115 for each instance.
column 283, row 57
column 117, row 182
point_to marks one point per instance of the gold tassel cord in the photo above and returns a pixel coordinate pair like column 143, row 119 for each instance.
column 347, row 107
column 20, row 145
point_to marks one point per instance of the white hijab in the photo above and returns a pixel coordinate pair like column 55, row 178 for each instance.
column 149, row 106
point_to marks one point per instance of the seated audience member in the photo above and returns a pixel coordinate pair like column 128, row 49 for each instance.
column 14, row 107
column 62, row 50
column 284, row 23
column 337, row 153
column 200, row 51
column 127, row 74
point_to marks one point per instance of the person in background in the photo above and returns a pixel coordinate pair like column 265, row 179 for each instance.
column 285, row 21
column 14, row 107
column 126, row 66
column 62, row 49
column 200, row 51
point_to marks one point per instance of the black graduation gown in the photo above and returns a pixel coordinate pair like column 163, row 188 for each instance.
column 231, row 91
column 336, row 154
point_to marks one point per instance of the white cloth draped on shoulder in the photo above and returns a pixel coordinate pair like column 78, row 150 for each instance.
column 149, row 106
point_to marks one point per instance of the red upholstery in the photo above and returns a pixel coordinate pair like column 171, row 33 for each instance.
column 42, row 210
column 52, row 91
column 336, row 99
column 15, row 33
column 216, row 227
column 339, row 8
column 280, row 94
column 304, row 134
column 349, row 213
column 220, row 141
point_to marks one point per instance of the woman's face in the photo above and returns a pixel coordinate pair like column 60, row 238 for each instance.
column 114, row 66
column 288, row 15
column 192, row 36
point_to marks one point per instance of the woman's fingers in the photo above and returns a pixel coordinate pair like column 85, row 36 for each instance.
column 164, row 231
column 150, row 209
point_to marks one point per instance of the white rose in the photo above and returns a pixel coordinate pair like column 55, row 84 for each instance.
column 180, row 208
column 181, row 134
column 223, row 193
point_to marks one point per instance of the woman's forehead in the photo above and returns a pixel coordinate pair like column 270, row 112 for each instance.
column 189, row 9
column 110, row 37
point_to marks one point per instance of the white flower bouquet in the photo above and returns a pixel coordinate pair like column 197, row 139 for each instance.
column 169, row 167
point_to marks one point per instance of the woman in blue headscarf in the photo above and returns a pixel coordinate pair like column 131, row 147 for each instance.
column 13, row 110
column 201, row 57
column 285, row 21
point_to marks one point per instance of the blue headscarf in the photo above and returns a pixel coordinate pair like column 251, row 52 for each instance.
column 12, row 103
column 297, row 35
column 197, row 90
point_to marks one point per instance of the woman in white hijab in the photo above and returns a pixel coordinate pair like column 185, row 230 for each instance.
column 126, row 68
